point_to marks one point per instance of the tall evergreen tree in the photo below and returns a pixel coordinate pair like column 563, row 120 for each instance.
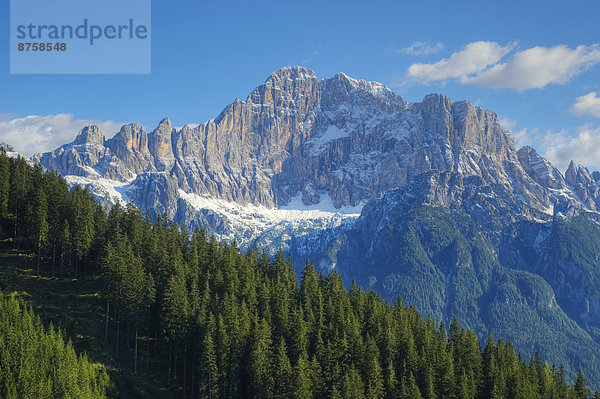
column 20, row 183
column 283, row 376
column 39, row 220
column 580, row 389
column 4, row 183
column 261, row 366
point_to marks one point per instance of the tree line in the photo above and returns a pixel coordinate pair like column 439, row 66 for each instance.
column 227, row 324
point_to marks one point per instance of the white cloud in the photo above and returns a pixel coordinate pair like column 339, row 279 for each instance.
column 422, row 48
column 508, row 123
column 480, row 63
column 474, row 58
column 560, row 147
column 33, row 134
column 524, row 136
column 587, row 105
column 583, row 149
column 538, row 67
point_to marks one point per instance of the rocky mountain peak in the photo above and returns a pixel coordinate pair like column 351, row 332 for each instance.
column 342, row 89
column 339, row 139
column 578, row 175
column 583, row 183
column 540, row 169
column 528, row 152
column 291, row 73
column 571, row 173
column 131, row 137
column 164, row 122
column 348, row 82
column 160, row 145
column 436, row 102
column 374, row 88
column 90, row 135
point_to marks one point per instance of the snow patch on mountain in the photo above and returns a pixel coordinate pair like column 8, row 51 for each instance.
column 261, row 215
column 332, row 133
column 257, row 225
column 325, row 206
column 106, row 191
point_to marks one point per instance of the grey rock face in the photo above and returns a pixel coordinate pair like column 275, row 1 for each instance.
column 129, row 153
column 540, row 170
column 340, row 137
column 583, row 183
column 79, row 157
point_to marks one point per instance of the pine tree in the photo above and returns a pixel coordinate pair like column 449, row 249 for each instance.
column 82, row 226
column 302, row 387
column 299, row 334
column 176, row 313
column 65, row 245
column 391, row 382
column 57, row 195
column 372, row 371
column 352, row 385
column 261, row 369
column 20, row 184
column 580, row 389
column 40, row 223
column 209, row 372
column 4, row 183
column 224, row 347
column 283, row 376
column 491, row 386
column 410, row 389
column 36, row 362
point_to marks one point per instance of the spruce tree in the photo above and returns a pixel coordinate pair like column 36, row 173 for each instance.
column 4, row 183
column 302, row 386
column 283, row 377
column 209, row 372
column 261, row 366
column 580, row 389
column 40, row 223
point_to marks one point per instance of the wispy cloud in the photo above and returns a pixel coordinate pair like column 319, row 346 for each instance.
column 489, row 64
column 508, row 123
column 473, row 58
column 34, row 133
column 587, row 105
column 538, row 67
column 421, row 48
column 311, row 56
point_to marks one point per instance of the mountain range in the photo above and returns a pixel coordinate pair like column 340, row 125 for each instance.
column 428, row 201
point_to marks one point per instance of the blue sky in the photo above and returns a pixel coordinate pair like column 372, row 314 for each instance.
column 529, row 61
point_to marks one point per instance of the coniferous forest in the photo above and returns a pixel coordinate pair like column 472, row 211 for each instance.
column 212, row 322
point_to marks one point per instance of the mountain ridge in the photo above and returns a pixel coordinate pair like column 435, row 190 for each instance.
column 283, row 137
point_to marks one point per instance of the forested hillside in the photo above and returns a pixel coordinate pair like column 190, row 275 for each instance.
column 224, row 324
column 35, row 362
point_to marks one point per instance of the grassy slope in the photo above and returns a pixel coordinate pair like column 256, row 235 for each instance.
column 78, row 308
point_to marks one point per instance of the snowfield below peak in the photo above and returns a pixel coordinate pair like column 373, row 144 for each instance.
column 105, row 191
column 258, row 226
column 294, row 211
